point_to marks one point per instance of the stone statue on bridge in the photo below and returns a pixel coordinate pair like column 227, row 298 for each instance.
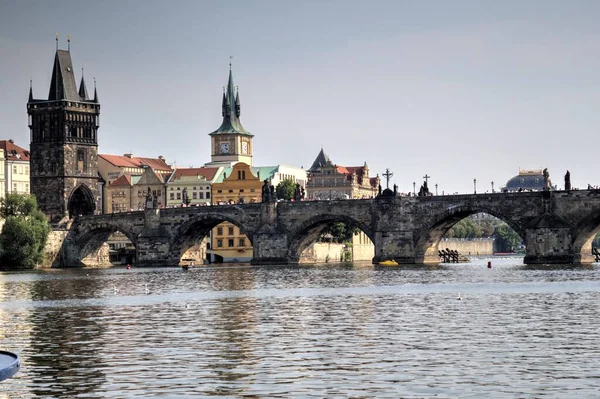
column 424, row 190
column 149, row 199
column 547, row 182
column 568, row 181
column 268, row 192
column 185, row 198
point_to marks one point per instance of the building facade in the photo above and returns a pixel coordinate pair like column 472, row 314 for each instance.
column 327, row 180
column 195, row 183
column 64, row 145
column 14, row 171
column 113, row 167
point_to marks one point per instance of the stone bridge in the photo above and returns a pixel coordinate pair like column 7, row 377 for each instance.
column 557, row 226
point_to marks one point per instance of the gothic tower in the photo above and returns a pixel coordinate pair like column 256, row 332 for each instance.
column 230, row 143
column 64, row 144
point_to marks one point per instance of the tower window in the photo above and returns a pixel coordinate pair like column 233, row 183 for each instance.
column 81, row 164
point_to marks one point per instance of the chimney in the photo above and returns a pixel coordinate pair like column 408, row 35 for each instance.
column 128, row 155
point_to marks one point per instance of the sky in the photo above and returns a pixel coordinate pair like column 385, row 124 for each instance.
column 456, row 90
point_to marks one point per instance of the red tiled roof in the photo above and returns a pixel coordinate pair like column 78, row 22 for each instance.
column 123, row 161
column 208, row 173
column 342, row 169
column 123, row 180
column 13, row 151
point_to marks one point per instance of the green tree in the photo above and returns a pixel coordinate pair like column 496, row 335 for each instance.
column 24, row 233
column 285, row 189
column 340, row 232
column 507, row 238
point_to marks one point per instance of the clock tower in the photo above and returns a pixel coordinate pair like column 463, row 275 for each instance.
column 230, row 143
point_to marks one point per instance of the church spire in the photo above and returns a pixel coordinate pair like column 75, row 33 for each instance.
column 30, row 90
column 231, row 109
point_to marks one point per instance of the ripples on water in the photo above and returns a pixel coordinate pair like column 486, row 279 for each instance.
column 322, row 331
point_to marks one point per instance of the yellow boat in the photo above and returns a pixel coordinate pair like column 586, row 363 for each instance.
column 388, row 263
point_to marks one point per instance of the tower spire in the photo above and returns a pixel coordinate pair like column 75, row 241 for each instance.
column 82, row 89
column 69, row 42
column 30, row 90
column 95, row 92
column 57, row 41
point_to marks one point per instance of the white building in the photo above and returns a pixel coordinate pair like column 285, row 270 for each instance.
column 16, row 168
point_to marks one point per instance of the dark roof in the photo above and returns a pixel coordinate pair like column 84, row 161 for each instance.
column 231, row 112
column 63, row 86
column 321, row 160
column 83, row 94
column 526, row 181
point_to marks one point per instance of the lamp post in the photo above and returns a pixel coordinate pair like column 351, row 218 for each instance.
column 436, row 188
column 492, row 187
column 414, row 188
column 474, row 186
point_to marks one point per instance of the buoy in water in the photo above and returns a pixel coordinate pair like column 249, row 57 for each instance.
column 489, row 264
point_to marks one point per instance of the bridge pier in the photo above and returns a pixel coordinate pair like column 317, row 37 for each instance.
column 394, row 245
column 550, row 245
column 153, row 243
column 270, row 248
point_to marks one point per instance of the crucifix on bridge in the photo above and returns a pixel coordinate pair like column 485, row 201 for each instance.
column 388, row 175
column 426, row 177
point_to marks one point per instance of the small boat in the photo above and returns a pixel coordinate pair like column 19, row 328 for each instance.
column 388, row 263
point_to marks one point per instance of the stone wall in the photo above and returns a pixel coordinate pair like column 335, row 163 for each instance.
column 321, row 252
column 52, row 255
column 483, row 246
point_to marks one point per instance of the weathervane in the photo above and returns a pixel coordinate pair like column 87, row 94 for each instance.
column 388, row 175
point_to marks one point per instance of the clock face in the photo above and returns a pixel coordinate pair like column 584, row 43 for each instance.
column 244, row 147
column 224, row 148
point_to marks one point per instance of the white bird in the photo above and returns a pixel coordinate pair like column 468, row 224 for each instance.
column 147, row 290
column 459, row 297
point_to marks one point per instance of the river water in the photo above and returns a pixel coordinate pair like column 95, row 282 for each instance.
column 319, row 331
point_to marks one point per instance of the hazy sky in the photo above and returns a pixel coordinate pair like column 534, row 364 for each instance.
column 459, row 90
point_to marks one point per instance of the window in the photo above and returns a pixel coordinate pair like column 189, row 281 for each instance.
column 231, row 191
column 220, row 243
column 241, row 190
column 218, row 192
column 242, row 242
column 14, row 169
column 200, row 195
column 172, row 196
column 194, row 195
column 219, row 231
column 178, row 196
column 207, row 195
column 230, row 230
column 230, row 243
column 20, row 170
column 81, row 167
column 15, row 187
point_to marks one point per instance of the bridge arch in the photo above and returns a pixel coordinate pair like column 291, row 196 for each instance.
column 309, row 231
column 193, row 231
column 91, row 239
column 426, row 243
column 583, row 235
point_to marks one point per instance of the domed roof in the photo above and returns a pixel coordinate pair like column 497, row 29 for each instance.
column 526, row 180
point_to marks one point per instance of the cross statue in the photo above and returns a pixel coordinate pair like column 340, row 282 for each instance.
column 388, row 175
column 426, row 177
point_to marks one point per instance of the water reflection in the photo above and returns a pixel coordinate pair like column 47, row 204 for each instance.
column 325, row 331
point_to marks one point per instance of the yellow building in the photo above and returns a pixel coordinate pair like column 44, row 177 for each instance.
column 234, row 185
